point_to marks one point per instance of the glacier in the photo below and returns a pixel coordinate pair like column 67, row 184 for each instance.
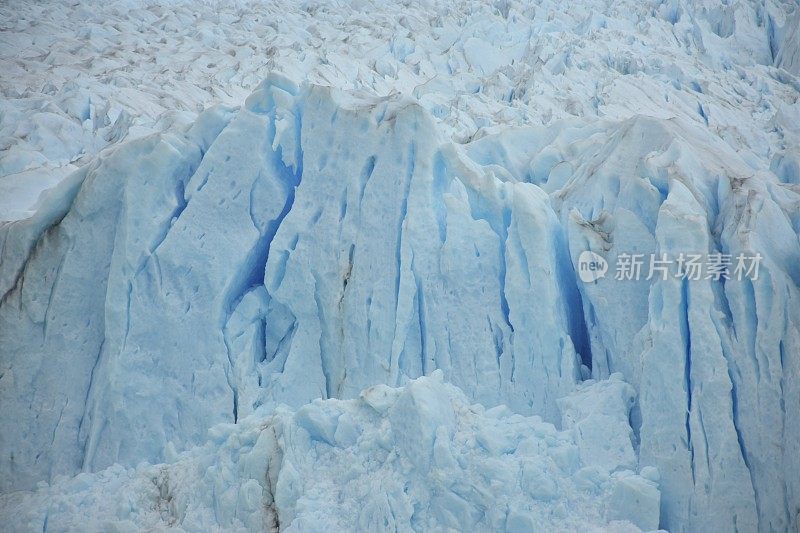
column 409, row 458
column 336, row 307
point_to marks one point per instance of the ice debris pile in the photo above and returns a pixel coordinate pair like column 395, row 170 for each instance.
column 419, row 457
column 316, row 242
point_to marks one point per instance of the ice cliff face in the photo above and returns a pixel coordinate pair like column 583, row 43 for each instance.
column 315, row 243
column 297, row 266
column 319, row 247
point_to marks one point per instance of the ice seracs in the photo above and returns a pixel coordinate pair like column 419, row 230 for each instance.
column 418, row 457
column 79, row 78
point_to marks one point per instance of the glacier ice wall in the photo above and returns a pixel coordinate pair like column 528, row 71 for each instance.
column 310, row 240
column 715, row 362
column 315, row 243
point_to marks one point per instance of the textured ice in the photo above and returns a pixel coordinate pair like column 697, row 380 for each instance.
column 419, row 457
column 313, row 272
column 80, row 77
column 260, row 266
column 314, row 243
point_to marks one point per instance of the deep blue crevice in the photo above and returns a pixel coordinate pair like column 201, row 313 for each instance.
column 741, row 443
column 772, row 39
column 702, row 112
column 260, row 351
column 324, row 351
column 497, row 338
column 363, row 179
column 421, row 317
column 88, row 444
column 571, row 298
column 252, row 272
column 687, row 340
column 412, row 154
column 502, row 263
column 254, row 266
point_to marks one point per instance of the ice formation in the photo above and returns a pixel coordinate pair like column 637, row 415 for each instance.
column 418, row 457
column 81, row 76
column 368, row 289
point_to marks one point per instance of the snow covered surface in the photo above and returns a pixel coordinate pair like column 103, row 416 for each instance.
column 406, row 193
column 83, row 75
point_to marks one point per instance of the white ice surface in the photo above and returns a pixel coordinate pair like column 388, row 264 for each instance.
column 20, row 193
column 80, row 76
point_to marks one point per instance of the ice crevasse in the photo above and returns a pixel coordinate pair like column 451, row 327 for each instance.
column 338, row 290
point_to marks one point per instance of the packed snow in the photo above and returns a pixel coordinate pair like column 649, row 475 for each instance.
column 317, row 266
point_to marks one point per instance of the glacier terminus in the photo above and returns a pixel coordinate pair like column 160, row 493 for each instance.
column 379, row 266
